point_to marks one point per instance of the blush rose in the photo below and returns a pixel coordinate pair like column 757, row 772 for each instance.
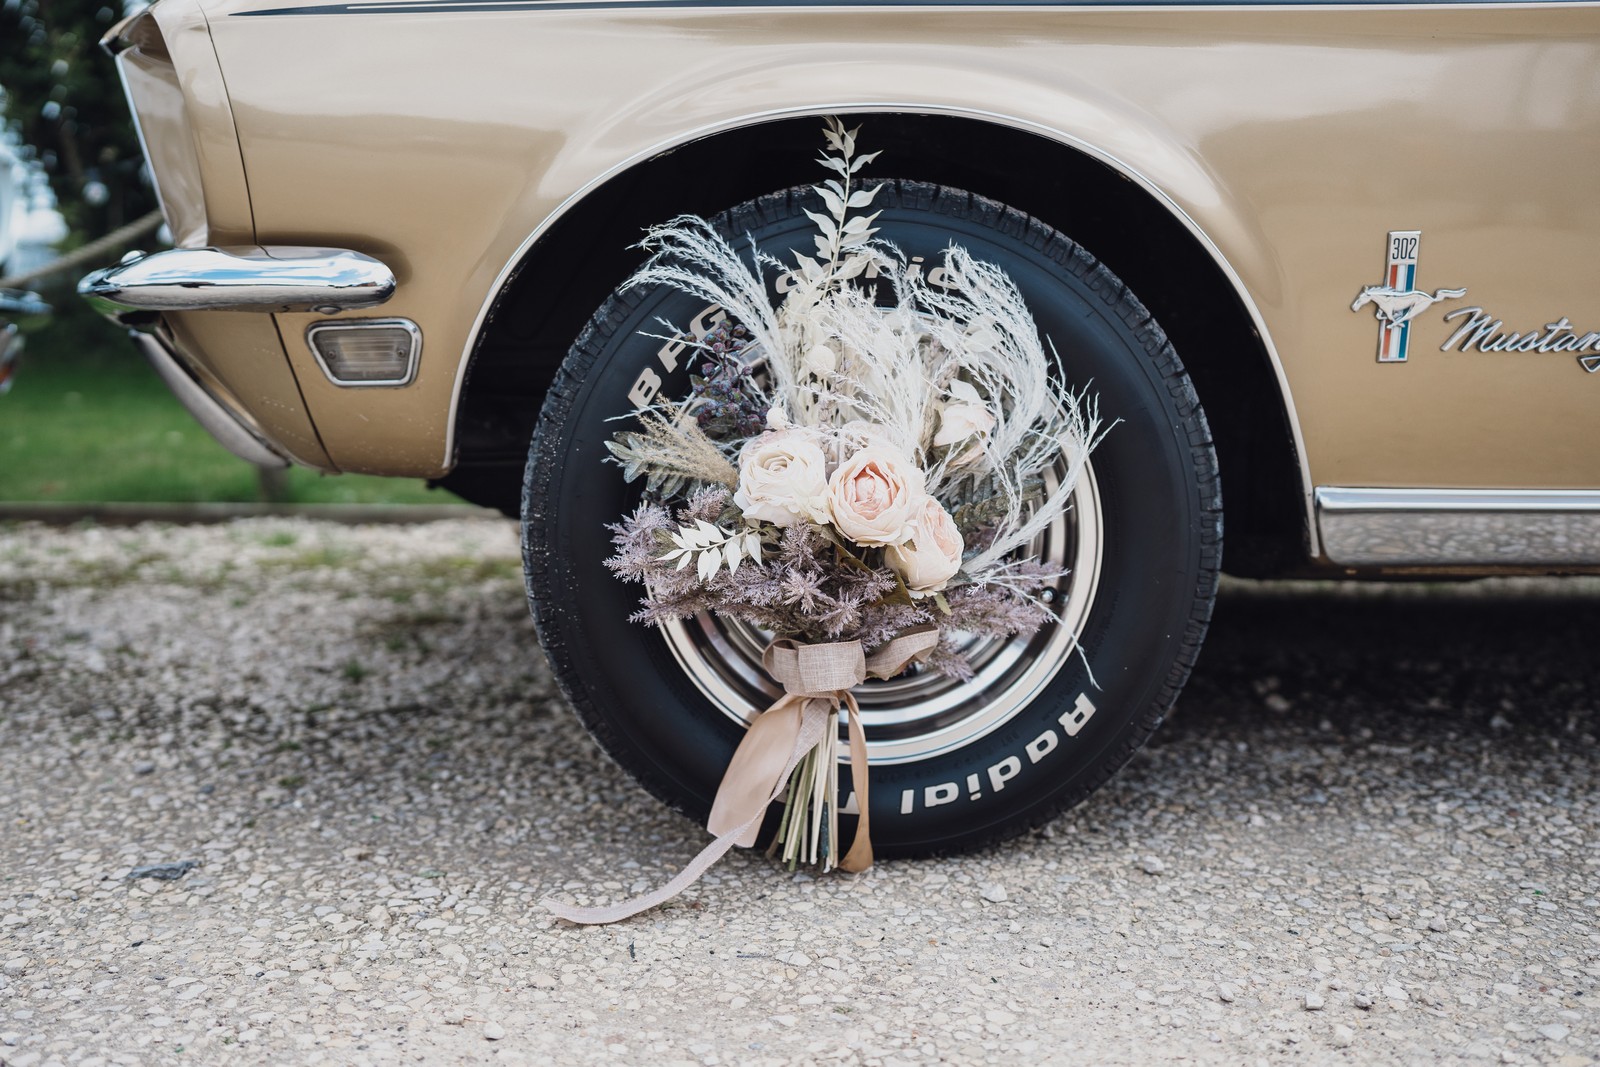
column 933, row 555
column 875, row 495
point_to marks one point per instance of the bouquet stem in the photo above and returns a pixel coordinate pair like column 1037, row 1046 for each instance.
column 809, row 829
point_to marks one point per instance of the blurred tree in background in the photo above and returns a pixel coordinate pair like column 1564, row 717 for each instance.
column 64, row 101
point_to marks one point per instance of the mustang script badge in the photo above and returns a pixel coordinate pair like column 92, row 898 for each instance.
column 1397, row 301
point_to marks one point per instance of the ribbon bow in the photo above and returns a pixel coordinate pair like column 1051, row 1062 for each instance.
column 816, row 679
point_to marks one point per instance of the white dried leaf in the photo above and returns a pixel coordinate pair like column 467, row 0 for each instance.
column 964, row 392
column 835, row 205
column 731, row 555
column 983, row 339
column 863, row 197
column 828, row 228
column 852, row 266
column 836, row 165
column 864, row 160
column 860, row 222
column 688, row 558
column 708, row 565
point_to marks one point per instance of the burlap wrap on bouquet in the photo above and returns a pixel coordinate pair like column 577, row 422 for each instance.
column 816, row 680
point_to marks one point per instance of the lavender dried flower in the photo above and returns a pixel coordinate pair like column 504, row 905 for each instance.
column 726, row 401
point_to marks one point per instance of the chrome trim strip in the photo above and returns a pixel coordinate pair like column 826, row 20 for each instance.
column 244, row 278
column 367, row 324
column 1343, row 500
column 1027, row 126
column 1460, row 527
column 229, row 429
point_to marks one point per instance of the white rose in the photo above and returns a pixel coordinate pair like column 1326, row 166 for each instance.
column 875, row 495
column 933, row 555
column 783, row 479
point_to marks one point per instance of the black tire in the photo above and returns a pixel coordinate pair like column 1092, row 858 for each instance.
column 1160, row 510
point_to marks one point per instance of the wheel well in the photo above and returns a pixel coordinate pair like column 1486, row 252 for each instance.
column 588, row 252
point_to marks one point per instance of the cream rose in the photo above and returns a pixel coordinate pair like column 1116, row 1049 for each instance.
column 933, row 555
column 783, row 479
column 875, row 495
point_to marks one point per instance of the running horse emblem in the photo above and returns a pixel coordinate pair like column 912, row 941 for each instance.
column 1398, row 306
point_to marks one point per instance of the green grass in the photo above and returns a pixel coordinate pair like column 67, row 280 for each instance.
column 104, row 428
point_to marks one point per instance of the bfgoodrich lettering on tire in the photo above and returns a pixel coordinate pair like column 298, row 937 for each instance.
column 954, row 765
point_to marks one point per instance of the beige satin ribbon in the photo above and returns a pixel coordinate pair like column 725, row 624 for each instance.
column 816, row 679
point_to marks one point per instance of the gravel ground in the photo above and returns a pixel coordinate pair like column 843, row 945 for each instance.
column 1368, row 837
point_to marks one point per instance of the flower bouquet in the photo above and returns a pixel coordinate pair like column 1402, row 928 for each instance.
column 860, row 472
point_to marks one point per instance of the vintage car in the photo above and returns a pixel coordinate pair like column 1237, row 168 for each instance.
column 1329, row 268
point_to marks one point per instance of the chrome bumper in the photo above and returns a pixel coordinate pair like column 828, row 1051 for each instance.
column 249, row 278
column 231, row 429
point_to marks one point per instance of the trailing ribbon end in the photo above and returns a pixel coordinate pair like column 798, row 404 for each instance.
column 807, row 733
column 817, row 680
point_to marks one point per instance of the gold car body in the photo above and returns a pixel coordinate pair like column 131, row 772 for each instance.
column 447, row 138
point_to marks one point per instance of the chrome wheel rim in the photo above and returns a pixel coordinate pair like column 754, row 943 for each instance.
column 920, row 714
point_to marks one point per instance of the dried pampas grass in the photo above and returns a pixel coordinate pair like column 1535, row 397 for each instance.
column 891, row 346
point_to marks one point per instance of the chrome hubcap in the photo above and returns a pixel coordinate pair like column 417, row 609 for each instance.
column 922, row 714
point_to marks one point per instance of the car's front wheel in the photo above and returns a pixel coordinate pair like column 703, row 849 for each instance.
column 954, row 765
